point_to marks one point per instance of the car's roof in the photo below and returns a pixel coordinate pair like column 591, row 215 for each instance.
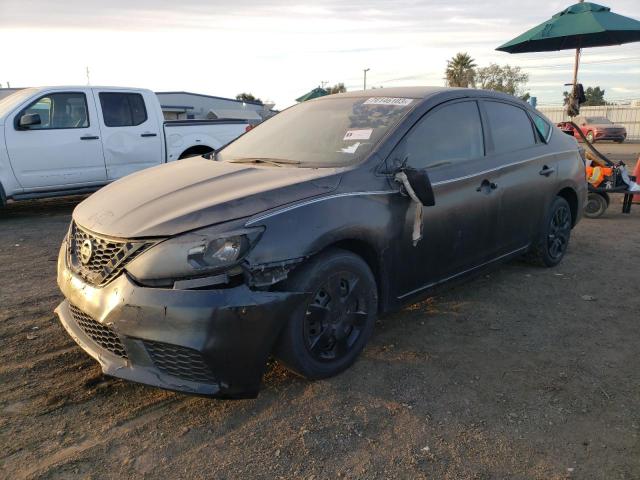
column 424, row 92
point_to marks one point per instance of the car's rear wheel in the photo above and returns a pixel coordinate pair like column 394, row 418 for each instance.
column 327, row 332
column 596, row 205
column 554, row 241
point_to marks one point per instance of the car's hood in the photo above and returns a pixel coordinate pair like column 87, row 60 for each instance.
column 188, row 194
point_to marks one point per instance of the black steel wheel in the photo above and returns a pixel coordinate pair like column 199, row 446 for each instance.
column 336, row 317
column 552, row 245
column 559, row 232
column 596, row 205
column 327, row 332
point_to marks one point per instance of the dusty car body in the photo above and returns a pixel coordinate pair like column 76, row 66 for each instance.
column 141, row 299
column 596, row 129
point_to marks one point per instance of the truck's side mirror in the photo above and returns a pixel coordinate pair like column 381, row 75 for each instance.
column 29, row 120
column 421, row 185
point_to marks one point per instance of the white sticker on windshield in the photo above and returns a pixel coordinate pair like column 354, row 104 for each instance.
column 400, row 102
column 364, row 134
column 350, row 148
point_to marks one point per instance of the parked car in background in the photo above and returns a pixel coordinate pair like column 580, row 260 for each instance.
column 596, row 129
column 297, row 235
column 65, row 140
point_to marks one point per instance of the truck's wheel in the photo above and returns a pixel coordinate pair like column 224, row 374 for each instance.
column 327, row 332
column 554, row 241
column 195, row 152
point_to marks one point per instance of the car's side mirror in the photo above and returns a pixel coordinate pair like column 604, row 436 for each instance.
column 29, row 119
column 421, row 185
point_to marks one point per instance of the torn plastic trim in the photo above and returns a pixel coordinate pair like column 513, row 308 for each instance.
column 267, row 274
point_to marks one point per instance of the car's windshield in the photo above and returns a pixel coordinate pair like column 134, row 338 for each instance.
column 604, row 120
column 9, row 102
column 324, row 133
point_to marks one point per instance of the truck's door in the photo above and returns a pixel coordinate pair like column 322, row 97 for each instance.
column 131, row 132
column 64, row 149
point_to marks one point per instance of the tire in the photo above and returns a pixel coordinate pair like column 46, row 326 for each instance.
column 556, row 233
column 596, row 205
column 325, row 334
column 620, row 141
column 590, row 137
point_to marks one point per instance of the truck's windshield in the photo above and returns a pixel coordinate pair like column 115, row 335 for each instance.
column 324, row 133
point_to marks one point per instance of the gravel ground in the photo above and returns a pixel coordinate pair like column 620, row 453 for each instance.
column 522, row 372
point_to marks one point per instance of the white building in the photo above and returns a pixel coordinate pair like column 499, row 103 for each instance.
column 187, row 105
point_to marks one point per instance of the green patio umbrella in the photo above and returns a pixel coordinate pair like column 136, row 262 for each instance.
column 315, row 93
column 578, row 26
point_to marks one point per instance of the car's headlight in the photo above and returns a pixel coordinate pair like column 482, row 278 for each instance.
column 193, row 254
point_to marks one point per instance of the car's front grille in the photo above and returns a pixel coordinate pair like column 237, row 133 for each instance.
column 99, row 333
column 98, row 260
column 181, row 362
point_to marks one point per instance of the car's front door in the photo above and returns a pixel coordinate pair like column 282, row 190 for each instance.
column 61, row 151
column 132, row 136
column 459, row 231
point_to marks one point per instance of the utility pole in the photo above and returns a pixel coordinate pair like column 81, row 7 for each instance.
column 365, row 77
column 88, row 79
column 323, row 83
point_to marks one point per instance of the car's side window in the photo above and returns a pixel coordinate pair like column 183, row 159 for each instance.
column 450, row 134
column 122, row 109
column 58, row 111
column 542, row 126
column 510, row 127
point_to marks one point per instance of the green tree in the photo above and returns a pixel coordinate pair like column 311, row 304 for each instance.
column 506, row 79
column 461, row 71
column 247, row 97
column 594, row 96
column 337, row 88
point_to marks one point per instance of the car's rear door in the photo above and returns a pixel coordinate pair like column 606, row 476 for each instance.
column 528, row 171
column 459, row 231
column 131, row 134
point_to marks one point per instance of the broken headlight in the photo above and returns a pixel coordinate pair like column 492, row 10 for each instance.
column 194, row 254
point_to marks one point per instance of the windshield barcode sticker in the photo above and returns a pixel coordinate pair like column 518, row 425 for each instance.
column 364, row 134
column 400, row 102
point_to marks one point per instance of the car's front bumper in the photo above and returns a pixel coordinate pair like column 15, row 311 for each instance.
column 206, row 342
column 610, row 136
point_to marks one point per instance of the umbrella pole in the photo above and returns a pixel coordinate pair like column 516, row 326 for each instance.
column 575, row 68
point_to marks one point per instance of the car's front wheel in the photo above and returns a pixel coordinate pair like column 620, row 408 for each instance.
column 327, row 332
column 554, row 241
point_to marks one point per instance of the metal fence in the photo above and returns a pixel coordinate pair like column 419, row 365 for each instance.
column 624, row 115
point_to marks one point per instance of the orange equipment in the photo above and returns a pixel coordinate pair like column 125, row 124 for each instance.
column 595, row 175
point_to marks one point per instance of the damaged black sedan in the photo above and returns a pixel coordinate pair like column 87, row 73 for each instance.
column 292, row 239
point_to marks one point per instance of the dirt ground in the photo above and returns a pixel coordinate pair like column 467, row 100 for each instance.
column 521, row 373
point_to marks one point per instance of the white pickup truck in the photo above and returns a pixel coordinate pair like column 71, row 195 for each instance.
column 69, row 140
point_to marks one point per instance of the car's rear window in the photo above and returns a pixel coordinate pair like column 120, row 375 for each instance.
column 323, row 133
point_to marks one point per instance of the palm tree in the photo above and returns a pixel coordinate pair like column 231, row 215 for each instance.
column 461, row 71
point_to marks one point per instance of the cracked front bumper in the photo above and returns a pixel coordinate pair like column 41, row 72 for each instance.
column 205, row 342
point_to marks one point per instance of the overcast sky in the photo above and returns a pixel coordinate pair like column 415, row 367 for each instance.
column 279, row 49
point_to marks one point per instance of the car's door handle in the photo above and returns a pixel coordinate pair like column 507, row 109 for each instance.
column 486, row 186
column 148, row 134
column 546, row 171
column 90, row 137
